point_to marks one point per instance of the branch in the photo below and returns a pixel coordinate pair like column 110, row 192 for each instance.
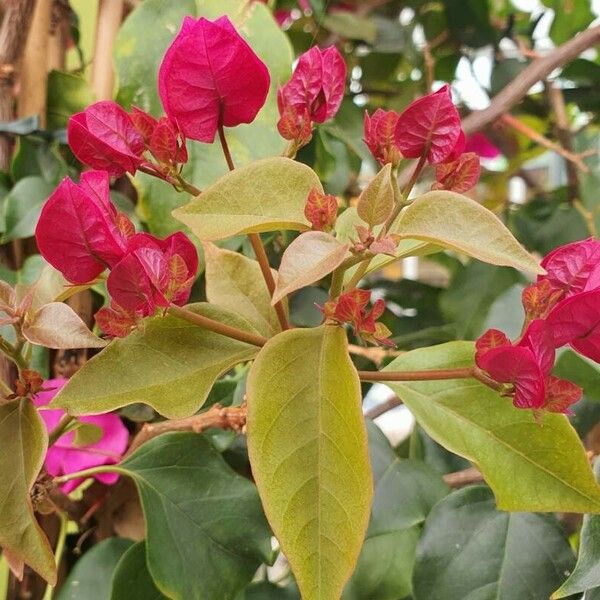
column 536, row 71
column 233, row 417
column 382, row 408
column 110, row 15
column 462, row 478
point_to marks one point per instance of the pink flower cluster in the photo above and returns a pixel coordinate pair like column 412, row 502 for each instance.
column 562, row 308
column 65, row 456
column 145, row 272
column 428, row 129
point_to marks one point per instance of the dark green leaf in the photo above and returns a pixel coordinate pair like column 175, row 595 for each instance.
column 67, row 94
column 132, row 580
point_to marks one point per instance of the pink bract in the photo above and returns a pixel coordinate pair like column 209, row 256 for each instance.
column 379, row 136
column 64, row 458
column 211, row 77
column 104, row 136
column 79, row 231
column 481, row 145
column 459, row 175
column 316, row 86
column 430, row 126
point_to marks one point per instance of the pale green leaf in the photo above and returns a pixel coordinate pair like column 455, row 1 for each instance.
column 235, row 282
column 206, row 531
column 376, row 202
column 454, row 221
column 169, row 364
column 24, row 444
column 57, row 325
column 308, row 451
column 309, row 258
column 266, row 195
column 530, row 467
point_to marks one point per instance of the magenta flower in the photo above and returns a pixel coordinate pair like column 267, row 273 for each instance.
column 481, row 145
column 379, row 136
column 317, row 84
column 104, row 136
column 210, row 77
column 97, row 232
column 430, row 127
column 64, row 457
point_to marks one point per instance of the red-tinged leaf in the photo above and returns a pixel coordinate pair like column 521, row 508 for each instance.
column 124, row 225
column 561, row 394
column 163, row 142
column 103, row 136
column 293, row 125
column 93, row 241
column 209, row 77
column 115, row 321
column 574, row 267
column 379, row 136
column 350, row 305
column 321, row 210
column 143, row 122
column 492, row 338
column 459, row 175
column 430, row 126
column 576, row 321
column 130, row 286
column 540, row 298
column 385, row 245
column 317, row 84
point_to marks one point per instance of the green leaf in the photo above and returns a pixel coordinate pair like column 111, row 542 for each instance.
column 57, row 325
column 308, row 451
column 91, row 577
column 529, row 466
column 23, row 205
column 471, row 550
column 38, row 158
column 265, row 590
column 376, row 201
column 86, row 434
column 266, row 195
column 405, row 492
column 169, row 364
column 206, row 532
column 569, row 18
column 309, row 258
column 350, row 26
column 235, row 282
column 132, row 580
column 586, row 574
column 24, row 444
column 67, row 94
column 454, row 221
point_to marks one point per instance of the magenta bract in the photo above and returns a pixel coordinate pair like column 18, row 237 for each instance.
column 460, row 175
column 79, row 231
column 210, row 77
column 64, row 457
column 316, row 86
column 429, row 127
column 104, row 136
column 379, row 136
column 481, row 145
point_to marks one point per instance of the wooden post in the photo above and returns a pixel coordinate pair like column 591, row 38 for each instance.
column 110, row 15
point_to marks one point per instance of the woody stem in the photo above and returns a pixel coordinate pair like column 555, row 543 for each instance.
column 217, row 326
column 257, row 245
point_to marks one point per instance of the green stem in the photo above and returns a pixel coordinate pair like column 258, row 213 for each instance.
column 6, row 390
column 86, row 473
column 188, row 187
column 14, row 353
column 63, row 426
column 337, row 280
column 358, row 274
column 60, row 548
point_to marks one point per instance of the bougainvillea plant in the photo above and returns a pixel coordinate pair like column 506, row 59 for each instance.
column 495, row 402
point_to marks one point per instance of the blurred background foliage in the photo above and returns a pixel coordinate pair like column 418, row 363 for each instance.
column 543, row 182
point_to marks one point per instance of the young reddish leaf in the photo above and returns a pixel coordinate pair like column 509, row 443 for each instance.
column 65, row 457
column 575, row 267
column 539, row 298
column 143, row 122
column 294, row 125
column 124, row 225
column 316, row 86
column 93, row 242
column 350, row 305
column 376, row 201
column 561, row 394
column 103, row 136
column 309, row 258
column 492, row 338
column 211, row 77
column 430, row 126
column 163, row 141
column 379, row 136
column 576, row 321
column 384, row 245
column 459, row 175
column 321, row 210
column 115, row 321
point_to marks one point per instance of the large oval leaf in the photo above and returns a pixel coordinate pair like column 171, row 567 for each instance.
column 235, row 282
column 170, row 364
column 471, row 550
column 308, row 451
column 132, row 580
column 376, row 201
column 266, row 195
column 24, row 443
column 454, row 221
column 309, row 258
column 206, row 531
column 530, row 467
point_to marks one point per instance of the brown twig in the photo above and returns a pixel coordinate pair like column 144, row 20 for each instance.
column 376, row 354
column 384, row 407
column 110, row 14
column 462, row 478
column 216, row 416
